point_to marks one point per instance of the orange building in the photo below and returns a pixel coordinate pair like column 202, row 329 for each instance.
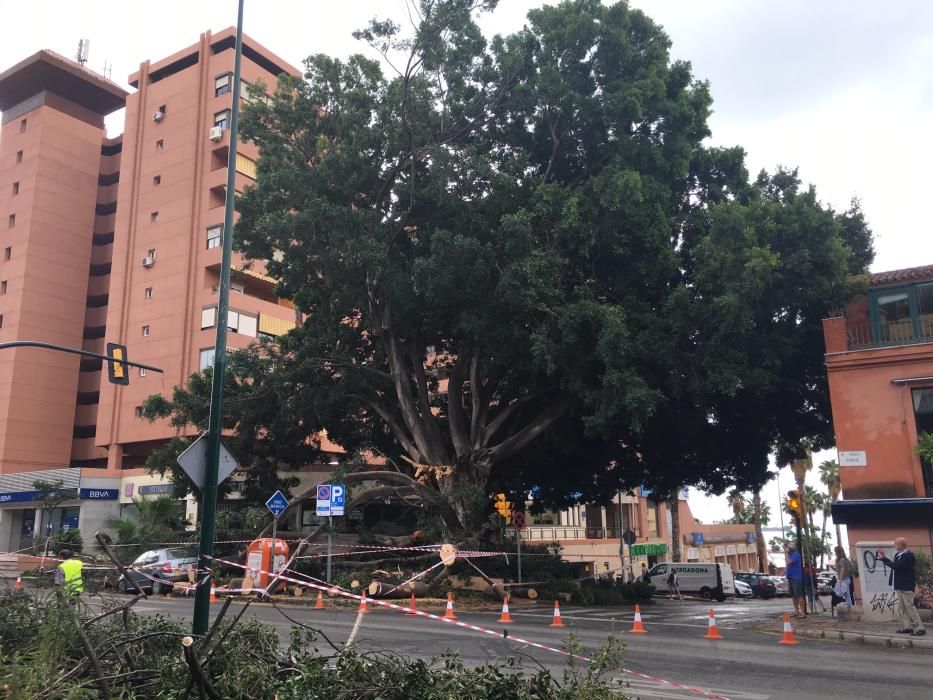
column 879, row 359
column 114, row 240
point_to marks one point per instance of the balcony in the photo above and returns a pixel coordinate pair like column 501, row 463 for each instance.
column 908, row 331
column 549, row 533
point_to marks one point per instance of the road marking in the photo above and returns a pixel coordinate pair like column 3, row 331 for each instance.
column 645, row 689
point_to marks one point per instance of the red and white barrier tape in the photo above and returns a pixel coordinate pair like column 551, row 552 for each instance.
column 474, row 628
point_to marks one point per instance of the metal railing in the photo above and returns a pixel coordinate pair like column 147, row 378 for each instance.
column 865, row 336
column 551, row 533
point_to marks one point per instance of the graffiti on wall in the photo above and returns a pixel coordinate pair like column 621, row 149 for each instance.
column 879, row 599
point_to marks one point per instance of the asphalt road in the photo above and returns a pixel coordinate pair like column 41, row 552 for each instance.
column 745, row 665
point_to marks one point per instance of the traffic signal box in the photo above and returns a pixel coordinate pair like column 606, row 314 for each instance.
column 794, row 506
column 118, row 372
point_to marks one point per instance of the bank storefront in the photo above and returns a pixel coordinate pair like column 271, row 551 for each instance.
column 40, row 504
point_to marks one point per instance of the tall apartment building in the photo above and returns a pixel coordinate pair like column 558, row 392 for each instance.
column 114, row 240
column 879, row 359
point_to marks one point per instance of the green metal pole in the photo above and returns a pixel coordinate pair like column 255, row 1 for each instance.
column 202, row 599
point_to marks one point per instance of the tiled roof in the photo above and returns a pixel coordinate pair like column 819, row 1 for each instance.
column 908, row 274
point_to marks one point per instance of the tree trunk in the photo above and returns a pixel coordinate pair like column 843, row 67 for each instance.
column 759, row 535
column 674, row 506
column 823, row 540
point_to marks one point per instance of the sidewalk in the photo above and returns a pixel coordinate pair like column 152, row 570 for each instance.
column 852, row 629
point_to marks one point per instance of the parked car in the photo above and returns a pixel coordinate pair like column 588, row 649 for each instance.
column 762, row 586
column 742, row 589
column 824, row 583
column 158, row 570
column 781, row 588
column 709, row 580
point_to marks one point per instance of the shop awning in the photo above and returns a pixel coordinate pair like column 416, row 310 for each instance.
column 876, row 511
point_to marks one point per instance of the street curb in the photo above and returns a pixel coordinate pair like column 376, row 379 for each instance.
column 869, row 639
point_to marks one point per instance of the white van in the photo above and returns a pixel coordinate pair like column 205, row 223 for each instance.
column 709, row 580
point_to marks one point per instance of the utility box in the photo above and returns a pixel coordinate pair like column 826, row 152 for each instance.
column 261, row 559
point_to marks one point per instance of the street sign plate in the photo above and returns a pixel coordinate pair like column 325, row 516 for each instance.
column 277, row 504
column 628, row 537
column 194, row 462
column 331, row 499
column 518, row 520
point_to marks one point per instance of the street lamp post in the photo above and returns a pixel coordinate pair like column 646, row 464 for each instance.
column 215, row 423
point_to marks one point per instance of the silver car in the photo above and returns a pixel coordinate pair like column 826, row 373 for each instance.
column 158, row 570
column 781, row 588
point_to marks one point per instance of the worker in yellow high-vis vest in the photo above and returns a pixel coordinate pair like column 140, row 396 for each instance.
column 69, row 573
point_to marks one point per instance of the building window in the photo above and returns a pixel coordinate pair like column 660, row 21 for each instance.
column 653, row 530
column 3, row 287
column 222, row 84
column 139, row 413
column 19, row 156
column 22, row 126
column 160, row 145
column 143, row 371
column 7, row 253
column 15, row 188
column 208, row 317
column 145, row 331
column 244, row 91
column 247, row 325
column 157, row 180
column 214, row 236
column 1, row 320
column 148, row 293
column 151, row 253
column 237, row 288
column 923, row 416
column 163, row 109
column 207, row 359
column 12, row 220
column 222, row 119
column 154, row 217
column 903, row 314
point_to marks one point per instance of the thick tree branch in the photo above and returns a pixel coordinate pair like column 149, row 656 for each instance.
column 397, row 430
column 403, row 390
column 455, row 412
column 481, row 393
column 527, row 435
column 497, row 423
column 424, row 401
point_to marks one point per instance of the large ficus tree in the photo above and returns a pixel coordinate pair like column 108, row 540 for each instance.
column 521, row 268
column 483, row 240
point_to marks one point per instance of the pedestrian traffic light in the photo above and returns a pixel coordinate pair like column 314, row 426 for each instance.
column 503, row 507
column 117, row 369
column 795, row 506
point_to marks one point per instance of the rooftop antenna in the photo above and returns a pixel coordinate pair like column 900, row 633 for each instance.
column 83, row 46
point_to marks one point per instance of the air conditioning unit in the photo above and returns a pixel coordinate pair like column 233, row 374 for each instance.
column 217, row 133
column 148, row 261
column 158, row 116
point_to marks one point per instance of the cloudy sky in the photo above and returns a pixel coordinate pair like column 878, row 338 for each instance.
column 841, row 89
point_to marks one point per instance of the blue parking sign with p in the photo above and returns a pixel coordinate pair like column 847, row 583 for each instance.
column 331, row 499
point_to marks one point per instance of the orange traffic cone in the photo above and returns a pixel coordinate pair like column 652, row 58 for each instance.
column 19, row 584
column 319, row 605
column 213, row 594
column 411, row 605
column 788, row 632
column 449, row 613
column 363, row 609
column 638, row 627
column 505, row 617
column 557, row 621
column 712, row 631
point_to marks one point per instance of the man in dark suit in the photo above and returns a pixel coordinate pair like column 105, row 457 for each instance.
column 904, row 579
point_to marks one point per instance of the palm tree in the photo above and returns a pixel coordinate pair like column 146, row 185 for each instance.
column 674, row 505
column 157, row 520
column 759, row 516
column 736, row 501
column 829, row 475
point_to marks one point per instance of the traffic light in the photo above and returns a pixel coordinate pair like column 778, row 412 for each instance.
column 795, row 507
column 117, row 371
column 503, row 507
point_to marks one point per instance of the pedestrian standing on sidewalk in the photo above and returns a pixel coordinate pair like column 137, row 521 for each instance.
column 904, row 579
column 844, row 580
column 673, row 585
column 794, row 574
